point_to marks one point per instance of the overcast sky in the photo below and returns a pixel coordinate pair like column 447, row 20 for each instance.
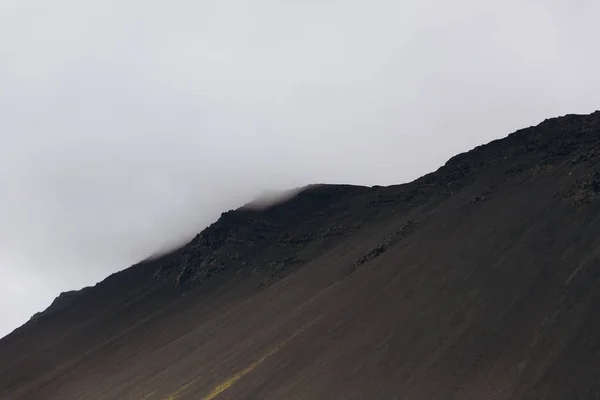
column 127, row 126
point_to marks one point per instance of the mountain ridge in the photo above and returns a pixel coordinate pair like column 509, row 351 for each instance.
column 336, row 257
column 453, row 162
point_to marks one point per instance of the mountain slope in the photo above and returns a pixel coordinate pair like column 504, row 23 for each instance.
column 478, row 281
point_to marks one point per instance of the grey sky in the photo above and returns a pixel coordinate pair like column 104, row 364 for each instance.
column 127, row 126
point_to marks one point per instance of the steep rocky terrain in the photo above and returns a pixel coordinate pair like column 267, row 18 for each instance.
column 477, row 281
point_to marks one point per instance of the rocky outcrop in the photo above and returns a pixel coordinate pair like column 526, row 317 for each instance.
column 584, row 190
column 266, row 241
column 63, row 300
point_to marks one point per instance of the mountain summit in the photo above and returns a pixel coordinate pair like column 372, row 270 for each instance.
column 477, row 281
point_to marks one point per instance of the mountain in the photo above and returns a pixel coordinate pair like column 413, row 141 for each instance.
column 477, row 281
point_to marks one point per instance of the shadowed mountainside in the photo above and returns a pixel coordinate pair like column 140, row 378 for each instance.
column 477, row 281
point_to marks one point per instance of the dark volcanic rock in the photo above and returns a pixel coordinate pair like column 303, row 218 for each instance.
column 585, row 190
column 63, row 300
column 487, row 286
column 371, row 254
column 247, row 238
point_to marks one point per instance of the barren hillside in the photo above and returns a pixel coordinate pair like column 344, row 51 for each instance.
column 477, row 281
